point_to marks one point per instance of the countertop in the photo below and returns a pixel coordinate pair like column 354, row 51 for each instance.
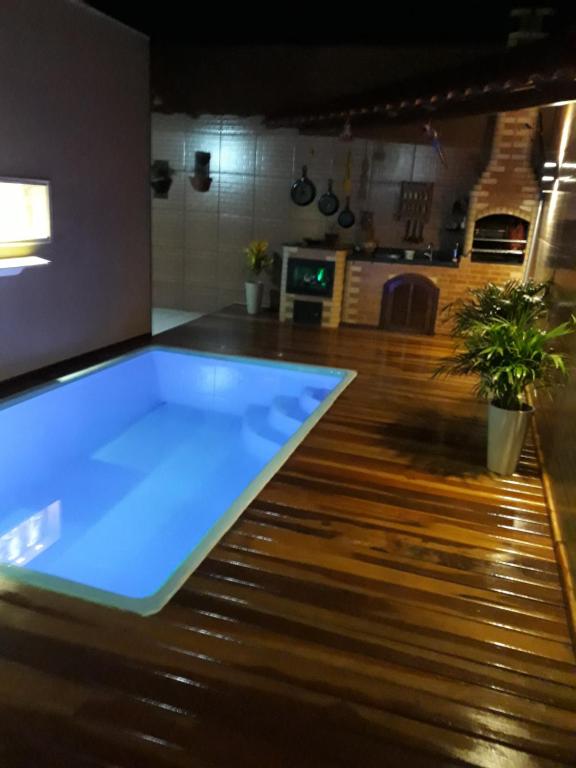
column 417, row 261
column 320, row 246
column 385, row 255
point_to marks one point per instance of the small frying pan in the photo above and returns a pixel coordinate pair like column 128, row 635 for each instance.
column 303, row 191
column 328, row 203
column 346, row 218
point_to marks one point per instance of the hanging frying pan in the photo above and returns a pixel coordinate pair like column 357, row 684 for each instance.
column 303, row 191
column 328, row 203
column 346, row 218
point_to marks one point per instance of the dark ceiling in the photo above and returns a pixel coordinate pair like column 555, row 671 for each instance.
column 390, row 23
column 291, row 57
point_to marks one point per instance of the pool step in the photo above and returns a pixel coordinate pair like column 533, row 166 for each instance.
column 259, row 435
column 286, row 414
column 310, row 398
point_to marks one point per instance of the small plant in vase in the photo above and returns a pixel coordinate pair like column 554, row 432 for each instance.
column 500, row 340
column 257, row 261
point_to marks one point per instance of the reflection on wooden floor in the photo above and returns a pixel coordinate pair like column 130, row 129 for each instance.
column 383, row 602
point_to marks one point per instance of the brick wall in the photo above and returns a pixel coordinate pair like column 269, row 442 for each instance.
column 365, row 281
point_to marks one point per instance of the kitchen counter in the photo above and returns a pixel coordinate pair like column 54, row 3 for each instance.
column 382, row 255
column 385, row 256
column 319, row 245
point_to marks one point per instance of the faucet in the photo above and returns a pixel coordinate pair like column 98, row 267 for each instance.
column 428, row 253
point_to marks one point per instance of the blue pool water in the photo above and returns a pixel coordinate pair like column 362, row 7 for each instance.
column 116, row 483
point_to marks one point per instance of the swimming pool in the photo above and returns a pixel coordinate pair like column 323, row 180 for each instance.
column 116, row 482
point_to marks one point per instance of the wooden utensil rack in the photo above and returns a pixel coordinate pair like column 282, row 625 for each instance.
column 415, row 200
column 415, row 205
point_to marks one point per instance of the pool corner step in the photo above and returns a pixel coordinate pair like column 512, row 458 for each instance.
column 286, row 414
column 259, row 435
column 310, row 398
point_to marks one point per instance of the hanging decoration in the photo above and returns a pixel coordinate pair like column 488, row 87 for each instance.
column 346, row 134
column 432, row 134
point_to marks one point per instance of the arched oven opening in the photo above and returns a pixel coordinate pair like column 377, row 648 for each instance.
column 500, row 239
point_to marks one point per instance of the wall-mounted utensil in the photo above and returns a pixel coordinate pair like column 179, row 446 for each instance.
column 419, row 234
column 161, row 178
column 411, row 233
column 348, row 175
column 364, row 175
column 415, row 207
column 303, row 190
column 328, row 203
column 346, row 218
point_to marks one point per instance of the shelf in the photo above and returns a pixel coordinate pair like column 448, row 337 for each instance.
column 10, row 266
column 498, row 250
column 498, row 240
column 489, row 258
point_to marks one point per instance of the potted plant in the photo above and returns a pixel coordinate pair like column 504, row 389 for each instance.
column 500, row 340
column 257, row 260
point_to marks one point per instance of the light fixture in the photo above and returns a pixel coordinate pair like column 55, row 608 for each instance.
column 201, row 180
column 161, row 178
column 25, row 223
column 547, row 178
column 549, row 165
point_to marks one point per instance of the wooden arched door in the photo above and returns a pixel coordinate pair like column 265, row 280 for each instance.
column 409, row 304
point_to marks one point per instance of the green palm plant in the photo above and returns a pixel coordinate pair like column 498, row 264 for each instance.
column 507, row 356
column 501, row 339
column 514, row 301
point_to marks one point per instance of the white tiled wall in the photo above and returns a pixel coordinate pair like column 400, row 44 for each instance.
column 198, row 238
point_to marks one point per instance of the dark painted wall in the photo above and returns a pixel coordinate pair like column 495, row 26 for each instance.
column 75, row 110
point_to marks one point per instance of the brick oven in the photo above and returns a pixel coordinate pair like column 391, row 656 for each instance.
column 504, row 201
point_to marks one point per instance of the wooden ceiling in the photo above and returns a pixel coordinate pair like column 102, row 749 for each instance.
column 535, row 74
column 272, row 79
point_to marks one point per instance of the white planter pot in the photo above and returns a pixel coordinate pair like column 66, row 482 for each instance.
column 506, row 435
column 254, row 293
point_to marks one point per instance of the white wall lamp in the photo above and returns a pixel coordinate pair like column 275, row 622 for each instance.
column 25, row 224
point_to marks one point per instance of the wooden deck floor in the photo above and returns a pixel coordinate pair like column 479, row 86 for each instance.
column 384, row 602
